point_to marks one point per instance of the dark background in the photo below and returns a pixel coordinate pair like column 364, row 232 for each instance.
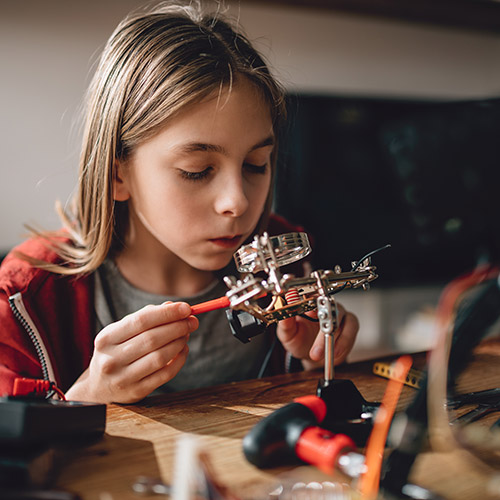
column 359, row 173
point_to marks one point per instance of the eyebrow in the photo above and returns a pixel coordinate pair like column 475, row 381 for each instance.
column 193, row 147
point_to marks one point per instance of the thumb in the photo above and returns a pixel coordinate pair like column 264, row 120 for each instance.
column 287, row 328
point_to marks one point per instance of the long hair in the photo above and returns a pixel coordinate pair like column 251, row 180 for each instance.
column 154, row 65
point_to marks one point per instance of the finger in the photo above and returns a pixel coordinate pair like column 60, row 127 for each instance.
column 341, row 314
column 154, row 315
column 146, row 318
column 153, row 361
column 287, row 329
column 150, row 382
column 167, row 373
column 317, row 351
column 346, row 338
column 312, row 314
column 156, row 338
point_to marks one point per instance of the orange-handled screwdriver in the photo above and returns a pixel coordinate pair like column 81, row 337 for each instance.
column 292, row 433
column 210, row 305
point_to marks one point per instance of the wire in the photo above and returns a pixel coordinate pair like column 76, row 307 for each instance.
column 35, row 388
column 358, row 263
column 369, row 254
column 440, row 433
column 426, row 415
column 267, row 358
column 59, row 392
column 369, row 481
column 305, row 316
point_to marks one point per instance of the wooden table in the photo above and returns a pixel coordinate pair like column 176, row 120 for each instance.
column 141, row 439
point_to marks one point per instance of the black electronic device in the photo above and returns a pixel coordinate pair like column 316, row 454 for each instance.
column 35, row 421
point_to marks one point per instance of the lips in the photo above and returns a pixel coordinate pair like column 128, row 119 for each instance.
column 227, row 241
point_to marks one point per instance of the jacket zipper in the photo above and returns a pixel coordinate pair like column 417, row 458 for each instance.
column 19, row 310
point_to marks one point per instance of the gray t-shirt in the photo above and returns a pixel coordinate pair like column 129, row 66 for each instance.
column 215, row 356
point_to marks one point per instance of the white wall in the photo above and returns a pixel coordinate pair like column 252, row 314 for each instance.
column 331, row 52
column 46, row 55
column 47, row 50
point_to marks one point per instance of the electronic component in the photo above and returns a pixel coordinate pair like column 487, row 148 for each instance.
column 315, row 429
column 28, row 421
column 286, row 295
column 290, row 295
column 386, row 370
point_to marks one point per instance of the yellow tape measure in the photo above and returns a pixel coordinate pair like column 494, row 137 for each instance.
column 386, row 370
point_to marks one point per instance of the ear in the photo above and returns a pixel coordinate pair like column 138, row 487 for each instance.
column 120, row 189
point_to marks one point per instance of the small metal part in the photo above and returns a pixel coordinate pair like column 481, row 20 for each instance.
column 327, row 321
column 386, row 370
column 145, row 485
column 477, row 397
column 480, row 411
column 413, row 491
column 352, row 464
column 283, row 249
column 288, row 296
column 327, row 315
column 326, row 490
column 292, row 296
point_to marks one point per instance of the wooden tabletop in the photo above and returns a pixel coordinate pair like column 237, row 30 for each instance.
column 141, row 439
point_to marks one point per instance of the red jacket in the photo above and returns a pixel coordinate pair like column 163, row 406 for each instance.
column 48, row 320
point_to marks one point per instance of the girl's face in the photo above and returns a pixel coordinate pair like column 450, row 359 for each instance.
column 197, row 189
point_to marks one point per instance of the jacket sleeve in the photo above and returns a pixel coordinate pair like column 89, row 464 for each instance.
column 57, row 312
column 17, row 355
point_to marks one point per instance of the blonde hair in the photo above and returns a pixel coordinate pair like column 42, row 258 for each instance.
column 154, row 64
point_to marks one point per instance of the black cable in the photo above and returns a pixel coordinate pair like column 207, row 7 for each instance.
column 267, row 358
column 369, row 254
column 472, row 322
column 358, row 263
column 305, row 316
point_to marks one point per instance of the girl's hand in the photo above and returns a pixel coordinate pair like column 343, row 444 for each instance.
column 137, row 354
column 304, row 340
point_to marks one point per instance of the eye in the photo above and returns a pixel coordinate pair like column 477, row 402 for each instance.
column 195, row 176
column 255, row 169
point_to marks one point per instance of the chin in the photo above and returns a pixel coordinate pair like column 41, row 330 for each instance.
column 214, row 264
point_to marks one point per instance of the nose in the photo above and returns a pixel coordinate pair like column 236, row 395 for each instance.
column 231, row 199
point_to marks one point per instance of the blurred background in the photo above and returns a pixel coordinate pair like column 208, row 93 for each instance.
column 392, row 137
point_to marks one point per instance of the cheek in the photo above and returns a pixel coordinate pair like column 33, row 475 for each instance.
column 259, row 191
column 159, row 193
column 188, row 210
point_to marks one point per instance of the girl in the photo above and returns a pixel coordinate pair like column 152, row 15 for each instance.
column 176, row 173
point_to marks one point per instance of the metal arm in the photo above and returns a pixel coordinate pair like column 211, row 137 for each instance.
column 290, row 296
